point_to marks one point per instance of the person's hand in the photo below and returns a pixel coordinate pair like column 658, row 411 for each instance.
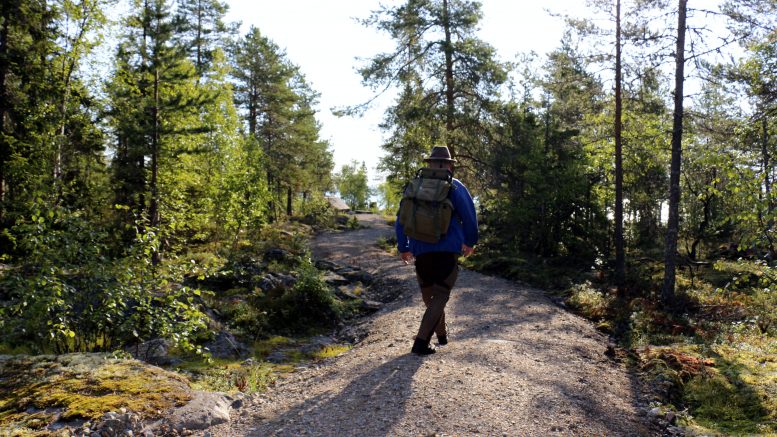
column 406, row 257
column 466, row 250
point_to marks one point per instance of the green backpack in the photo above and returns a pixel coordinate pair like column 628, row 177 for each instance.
column 425, row 211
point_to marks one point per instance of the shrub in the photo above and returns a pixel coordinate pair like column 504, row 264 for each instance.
column 588, row 301
column 67, row 295
column 306, row 307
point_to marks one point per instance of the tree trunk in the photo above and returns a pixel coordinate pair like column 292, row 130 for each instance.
column 288, row 201
column 253, row 104
column 5, row 151
column 673, row 225
column 200, row 69
column 620, row 257
column 449, row 96
column 766, row 162
column 154, row 209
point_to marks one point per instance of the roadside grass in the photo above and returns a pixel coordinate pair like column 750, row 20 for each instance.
column 256, row 374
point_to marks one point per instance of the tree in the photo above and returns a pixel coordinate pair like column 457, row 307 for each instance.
column 79, row 19
column 278, row 105
column 201, row 30
column 154, row 103
column 620, row 256
column 673, row 223
column 351, row 182
column 27, row 41
column 448, row 76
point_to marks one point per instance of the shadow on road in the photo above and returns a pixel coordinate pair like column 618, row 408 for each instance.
column 378, row 395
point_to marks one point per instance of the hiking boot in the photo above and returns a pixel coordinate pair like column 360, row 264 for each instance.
column 421, row 347
column 442, row 340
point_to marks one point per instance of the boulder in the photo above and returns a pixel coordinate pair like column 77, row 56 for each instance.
column 269, row 282
column 353, row 274
column 206, row 409
column 323, row 264
column 316, row 344
column 153, row 351
column 334, row 279
column 278, row 254
column 371, row 305
column 225, row 345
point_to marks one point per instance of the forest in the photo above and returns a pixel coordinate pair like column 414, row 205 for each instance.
column 629, row 173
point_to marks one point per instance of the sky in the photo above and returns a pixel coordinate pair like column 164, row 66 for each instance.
column 325, row 40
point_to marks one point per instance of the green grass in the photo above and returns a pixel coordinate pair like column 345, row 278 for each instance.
column 331, row 351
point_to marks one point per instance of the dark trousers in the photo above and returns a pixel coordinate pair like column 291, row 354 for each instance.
column 436, row 273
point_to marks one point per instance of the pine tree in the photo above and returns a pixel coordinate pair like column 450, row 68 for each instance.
column 201, row 30
column 673, row 224
column 278, row 106
column 152, row 93
column 436, row 46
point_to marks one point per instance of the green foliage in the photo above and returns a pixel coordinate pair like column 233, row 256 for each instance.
column 390, row 194
column 307, row 307
column 279, row 106
column 588, row 301
column 317, row 212
column 66, row 295
column 230, row 376
column 447, row 89
column 351, row 183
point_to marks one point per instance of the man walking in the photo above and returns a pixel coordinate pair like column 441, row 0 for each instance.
column 436, row 264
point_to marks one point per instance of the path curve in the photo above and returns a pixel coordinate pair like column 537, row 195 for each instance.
column 516, row 365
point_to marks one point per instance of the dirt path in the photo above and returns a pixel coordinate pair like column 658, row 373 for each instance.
column 516, row 365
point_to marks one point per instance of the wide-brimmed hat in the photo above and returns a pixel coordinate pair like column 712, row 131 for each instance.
column 440, row 153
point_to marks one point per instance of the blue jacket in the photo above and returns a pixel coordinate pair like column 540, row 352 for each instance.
column 463, row 227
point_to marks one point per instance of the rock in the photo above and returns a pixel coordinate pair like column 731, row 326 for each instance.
column 316, row 343
column 323, row 264
column 117, row 424
column 334, row 279
column 153, row 351
column 655, row 412
column 353, row 274
column 269, row 283
column 287, row 280
column 278, row 254
column 344, row 292
column 671, row 417
column 225, row 345
column 371, row 305
column 277, row 357
column 206, row 409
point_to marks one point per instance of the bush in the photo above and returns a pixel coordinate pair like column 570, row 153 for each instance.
column 308, row 306
column 588, row 301
column 67, row 295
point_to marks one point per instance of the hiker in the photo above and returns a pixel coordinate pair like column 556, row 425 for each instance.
column 436, row 263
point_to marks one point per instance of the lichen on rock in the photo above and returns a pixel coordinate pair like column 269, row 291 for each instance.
column 38, row 391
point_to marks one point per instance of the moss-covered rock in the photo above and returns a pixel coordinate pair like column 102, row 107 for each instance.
column 37, row 391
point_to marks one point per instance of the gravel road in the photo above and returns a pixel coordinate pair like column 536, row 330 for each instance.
column 516, row 365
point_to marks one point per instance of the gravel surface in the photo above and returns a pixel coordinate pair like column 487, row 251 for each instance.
column 516, row 365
